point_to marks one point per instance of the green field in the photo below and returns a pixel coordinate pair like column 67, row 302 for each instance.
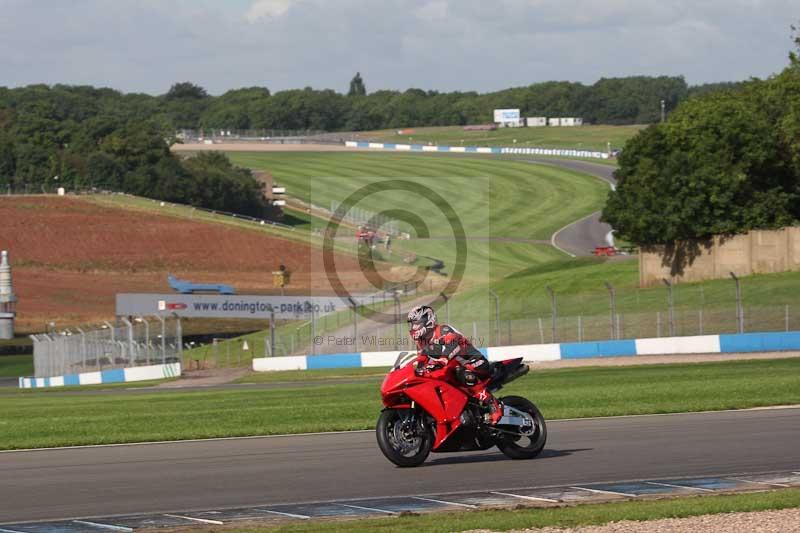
column 581, row 137
column 39, row 419
column 12, row 366
column 492, row 198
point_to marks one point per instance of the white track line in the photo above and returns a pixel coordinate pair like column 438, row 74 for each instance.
column 678, row 486
column 445, row 503
column 759, row 482
column 201, row 520
column 367, row 508
column 9, row 531
column 103, row 526
column 290, row 515
column 599, row 491
column 521, row 497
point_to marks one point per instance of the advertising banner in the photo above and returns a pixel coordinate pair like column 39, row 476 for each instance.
column 231, row 306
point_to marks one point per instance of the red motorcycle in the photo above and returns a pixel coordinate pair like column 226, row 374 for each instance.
column 424, row 412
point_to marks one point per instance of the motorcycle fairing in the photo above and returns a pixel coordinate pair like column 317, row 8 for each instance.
column 443, row 402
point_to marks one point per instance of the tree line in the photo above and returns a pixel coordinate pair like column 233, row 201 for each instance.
column 88, row 138
column 102, row 138
column 725, row 162
column 631, row 100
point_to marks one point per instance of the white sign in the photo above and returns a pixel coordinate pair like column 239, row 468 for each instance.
column 506, row 115
column 232, row 306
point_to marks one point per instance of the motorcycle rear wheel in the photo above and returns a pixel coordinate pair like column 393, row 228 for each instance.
column 524, row 447
column 403, row 438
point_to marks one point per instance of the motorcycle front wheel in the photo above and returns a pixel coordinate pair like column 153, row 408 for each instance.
column 403, row 437
column 529, row 446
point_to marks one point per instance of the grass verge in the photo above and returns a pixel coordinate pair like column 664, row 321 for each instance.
column 32, row 420
column 306, row 376
column 574, row 516
column 12, row 366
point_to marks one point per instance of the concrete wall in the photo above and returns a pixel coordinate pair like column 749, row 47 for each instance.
column 735, row 343
column 757, row 252
column 117, row 375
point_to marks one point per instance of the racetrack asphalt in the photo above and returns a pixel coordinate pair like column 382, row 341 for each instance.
column 184, row 476
column 581, row 237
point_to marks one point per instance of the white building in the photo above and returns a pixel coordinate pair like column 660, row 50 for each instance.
column 535, row 122
column 571, row 121
column 554, row 122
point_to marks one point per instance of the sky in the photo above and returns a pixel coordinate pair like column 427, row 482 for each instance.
column 481, row 45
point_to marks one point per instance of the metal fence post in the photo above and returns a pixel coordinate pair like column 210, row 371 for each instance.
column 179, row 336
column 496, row 316
column 313, row 332
column 554, row 307
column 739, row 313
column 671, row 304
column 700, row 317
column 83, row 347
column 541, row 330
column 396, row 320
column 272, row 333
column 658, row 323
column 146, row 338
column 131, row 356
column 111, row 328
column 787, row 317
column 163, row 338
column 613, row 300
column 580, row 329
column 354, row 306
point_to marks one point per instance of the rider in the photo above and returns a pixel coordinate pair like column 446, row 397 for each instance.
column 441, row 343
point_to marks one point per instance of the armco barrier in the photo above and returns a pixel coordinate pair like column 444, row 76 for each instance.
column 117, row 375
column 536, row 353
column 559, row 152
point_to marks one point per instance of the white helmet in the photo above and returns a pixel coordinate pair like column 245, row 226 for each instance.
column 422, row 321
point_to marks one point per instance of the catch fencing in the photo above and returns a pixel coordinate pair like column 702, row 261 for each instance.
column 142, row 341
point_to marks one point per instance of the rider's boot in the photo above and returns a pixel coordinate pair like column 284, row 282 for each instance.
column 494, row 408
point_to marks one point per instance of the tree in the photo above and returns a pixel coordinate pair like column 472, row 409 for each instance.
column 186, row 90
column 723, row 163
column 357, row 87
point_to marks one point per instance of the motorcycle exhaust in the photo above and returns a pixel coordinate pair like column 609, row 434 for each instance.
column 520, row 371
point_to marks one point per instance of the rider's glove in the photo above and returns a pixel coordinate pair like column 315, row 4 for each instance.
column 434, row 362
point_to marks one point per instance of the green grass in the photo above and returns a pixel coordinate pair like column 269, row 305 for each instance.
column 305, row 376
column 561, row 517
column 492, row 198
column 581, row 138
column 52, row 419
column 530, row 201
column 12, row 366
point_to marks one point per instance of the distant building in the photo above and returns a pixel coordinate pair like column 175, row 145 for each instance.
column 571, row 121
column 535, row 122
column 554, row 122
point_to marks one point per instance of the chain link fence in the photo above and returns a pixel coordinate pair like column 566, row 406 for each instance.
column 141, row 342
